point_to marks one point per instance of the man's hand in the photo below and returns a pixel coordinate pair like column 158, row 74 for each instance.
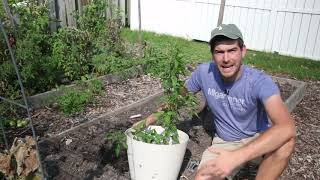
column 220, row 167
column 148, row 121
column 138, row 122
column 152, row 118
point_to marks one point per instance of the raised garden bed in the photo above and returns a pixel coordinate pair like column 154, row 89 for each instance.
column 49, row 97
column 48, row 121
column 82, row 153
column 293, row 92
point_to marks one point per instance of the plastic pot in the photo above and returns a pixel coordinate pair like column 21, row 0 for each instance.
column 155, row 161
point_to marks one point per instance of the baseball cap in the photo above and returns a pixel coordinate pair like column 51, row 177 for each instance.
column 229, row 30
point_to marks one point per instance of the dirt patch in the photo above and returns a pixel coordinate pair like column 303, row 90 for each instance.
column 89, row 155
column 49, row 121
column 85, row 154
column 305, row 162
column 286, row 89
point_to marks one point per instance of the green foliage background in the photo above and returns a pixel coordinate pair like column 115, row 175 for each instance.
column 47, row 59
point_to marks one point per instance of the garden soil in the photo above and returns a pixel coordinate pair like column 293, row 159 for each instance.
column 84, row 153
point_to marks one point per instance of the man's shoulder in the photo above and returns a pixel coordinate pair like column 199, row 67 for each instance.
column 254, row 75
column 206, row 67
column 260, row 83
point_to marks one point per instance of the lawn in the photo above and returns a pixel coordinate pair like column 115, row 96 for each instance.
column 195, row 52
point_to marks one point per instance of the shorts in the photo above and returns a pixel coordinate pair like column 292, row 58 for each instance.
column 228, row 145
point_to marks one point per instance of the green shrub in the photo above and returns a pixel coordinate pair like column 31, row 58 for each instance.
column 93, row 18
column 75, row 101
column 47, row 59
column 96, row 86
column 31, row 50
column 105, row 63
column 71, row 52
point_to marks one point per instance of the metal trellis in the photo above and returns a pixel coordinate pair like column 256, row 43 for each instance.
column 24, row 106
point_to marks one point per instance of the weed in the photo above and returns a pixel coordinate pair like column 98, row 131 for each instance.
column 95, row 86
column 118, row 140
column 74, row 101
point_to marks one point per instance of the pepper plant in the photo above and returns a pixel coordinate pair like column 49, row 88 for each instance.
column 171, row 69
column 167, row 64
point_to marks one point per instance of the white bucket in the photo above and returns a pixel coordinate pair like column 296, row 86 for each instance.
column 155, row 161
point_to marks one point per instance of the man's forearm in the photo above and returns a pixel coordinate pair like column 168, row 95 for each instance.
column 267, row 142
column 282, row 130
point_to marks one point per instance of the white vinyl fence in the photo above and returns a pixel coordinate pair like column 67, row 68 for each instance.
column 290, row 27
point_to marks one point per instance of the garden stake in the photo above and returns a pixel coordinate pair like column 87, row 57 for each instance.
column 24, row 97
column 3, row 133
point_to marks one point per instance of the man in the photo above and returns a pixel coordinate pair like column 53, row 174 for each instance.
column 242, row 100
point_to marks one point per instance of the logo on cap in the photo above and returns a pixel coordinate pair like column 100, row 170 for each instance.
column 219, row 28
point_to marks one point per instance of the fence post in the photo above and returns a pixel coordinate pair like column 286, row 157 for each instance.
column 53, row 16
column 62, row 12
column 70, row 8
column 122, row 8
column 139, row 16
column 79, row 6
column 221, row 12
column 271, row 27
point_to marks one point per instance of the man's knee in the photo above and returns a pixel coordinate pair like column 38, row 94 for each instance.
column 285, row 151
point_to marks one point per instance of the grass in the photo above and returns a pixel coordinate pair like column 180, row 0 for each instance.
column 195, row 52
column 299, row 68
column 192, row 51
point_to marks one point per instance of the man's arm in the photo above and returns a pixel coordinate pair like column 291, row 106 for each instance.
column 151, row 119
column 282, row 130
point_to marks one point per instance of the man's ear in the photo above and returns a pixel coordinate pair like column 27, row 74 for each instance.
column 244, row 51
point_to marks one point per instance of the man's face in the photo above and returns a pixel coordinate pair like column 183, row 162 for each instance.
column 228, row 57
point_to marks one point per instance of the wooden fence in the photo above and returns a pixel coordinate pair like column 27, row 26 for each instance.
column 62, row 11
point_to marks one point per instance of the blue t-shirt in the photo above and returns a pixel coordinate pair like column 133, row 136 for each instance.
column 238, row 107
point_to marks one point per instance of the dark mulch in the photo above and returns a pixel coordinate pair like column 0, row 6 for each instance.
column 88, row 155
column 305, row 162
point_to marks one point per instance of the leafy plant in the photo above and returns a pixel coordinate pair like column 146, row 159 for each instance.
column 93, row 18
column 105, row 27
column 46, row 59
column 32, row 47
column 105, row 64
column 118, row 140
column 12, row 113
column 95, row 86
column 114, row 41
column 71, row 52
column 75, row 100
column 171, row 69
column 167, row 64
column 16, row 123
